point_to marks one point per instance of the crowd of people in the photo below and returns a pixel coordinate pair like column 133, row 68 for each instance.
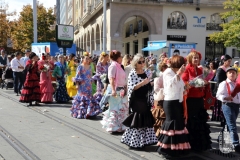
column 151, row 101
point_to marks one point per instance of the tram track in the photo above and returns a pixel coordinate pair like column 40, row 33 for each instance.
column 22, row 149
column 17, row 145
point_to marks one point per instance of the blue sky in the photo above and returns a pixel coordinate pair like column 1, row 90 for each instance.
column 16, row 5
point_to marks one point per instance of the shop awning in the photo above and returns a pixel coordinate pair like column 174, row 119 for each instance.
column 151, row 48
column 154, row 46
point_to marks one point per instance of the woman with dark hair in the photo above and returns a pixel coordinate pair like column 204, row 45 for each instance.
column 173, row 139
column 84, row 105
column 59, row 72
column 45, row 66
column 199, row 132
column 31, row 89
column 72, row 67
column 157, row 111
column 118, row 104
column 217, row 114
column 140, row 122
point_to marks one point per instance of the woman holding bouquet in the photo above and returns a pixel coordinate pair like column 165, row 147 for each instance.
column 118, row 104
column 84, row 105
column 197, row 116
column 72, row 67
column 102, row 68
column 45, row 66
column 59, row 72
column 31, row 89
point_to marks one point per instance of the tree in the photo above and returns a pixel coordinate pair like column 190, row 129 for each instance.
column 22, row 34
column 230, row 35
column 5, row 25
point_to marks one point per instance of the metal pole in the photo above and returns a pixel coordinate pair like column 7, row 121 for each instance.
column 104, row 24
column 35, row 21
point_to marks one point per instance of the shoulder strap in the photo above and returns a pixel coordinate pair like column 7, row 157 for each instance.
column 228, row 88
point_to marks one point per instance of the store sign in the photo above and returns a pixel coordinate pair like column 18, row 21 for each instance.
column 157, row 44
column 181, row 49
column 64, row 36
column 180, row 38
column 65, row 32
column 199, row 23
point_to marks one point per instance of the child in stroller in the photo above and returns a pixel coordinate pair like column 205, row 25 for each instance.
column 7, row 78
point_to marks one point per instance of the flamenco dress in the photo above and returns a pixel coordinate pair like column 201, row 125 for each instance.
column 84, row 104
column 140, row 122
column 31, row 89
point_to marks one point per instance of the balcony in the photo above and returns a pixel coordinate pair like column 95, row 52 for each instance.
column 214, row 27
column 76, row 29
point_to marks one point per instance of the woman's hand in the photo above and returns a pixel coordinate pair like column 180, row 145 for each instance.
column 181, row 70
column 145, row 81
column 114, row 93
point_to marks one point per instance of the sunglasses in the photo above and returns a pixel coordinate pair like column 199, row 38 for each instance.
column 141, row 62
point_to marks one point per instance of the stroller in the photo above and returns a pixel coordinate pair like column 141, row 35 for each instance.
column 7, row 78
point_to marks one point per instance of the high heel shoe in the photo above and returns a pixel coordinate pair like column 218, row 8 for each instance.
column 30, row 104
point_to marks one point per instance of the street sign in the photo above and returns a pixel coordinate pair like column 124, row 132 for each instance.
column 64, row 36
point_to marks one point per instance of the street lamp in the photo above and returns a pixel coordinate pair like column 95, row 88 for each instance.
column 35, row 20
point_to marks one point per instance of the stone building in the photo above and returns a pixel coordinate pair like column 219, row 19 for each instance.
column 132, row 23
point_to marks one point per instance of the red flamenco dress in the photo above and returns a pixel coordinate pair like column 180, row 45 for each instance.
column 31, row 89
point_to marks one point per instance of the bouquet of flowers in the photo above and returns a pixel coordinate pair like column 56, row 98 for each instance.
column 197, row 82
column 45, row 68
column 103, row 77
column 207, row 74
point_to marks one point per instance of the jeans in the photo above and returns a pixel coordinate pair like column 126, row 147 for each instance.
column 230, row 111
column 18, row 81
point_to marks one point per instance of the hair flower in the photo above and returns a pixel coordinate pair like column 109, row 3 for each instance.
column 85, row 54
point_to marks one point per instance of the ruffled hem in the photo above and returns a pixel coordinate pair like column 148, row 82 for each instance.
column 138, row 138
column 179, row 146
column 112, row 120
column 139, row 120
column 159, row 116
column 199, row 132
column 46, row 97
column 85, row 107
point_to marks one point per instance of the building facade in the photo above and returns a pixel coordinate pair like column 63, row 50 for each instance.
column 130, row 25
column 57, row 8
column 63, row 11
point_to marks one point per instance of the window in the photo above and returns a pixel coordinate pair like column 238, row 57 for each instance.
column 214, row 22
column 214, row 50
column 177, row 20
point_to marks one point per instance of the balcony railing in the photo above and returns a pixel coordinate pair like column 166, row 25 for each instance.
column 214, row 27
column 76, row 28
column 179, row 1
column 177, row 25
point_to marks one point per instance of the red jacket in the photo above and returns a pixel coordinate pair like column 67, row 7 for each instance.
column 190, row 74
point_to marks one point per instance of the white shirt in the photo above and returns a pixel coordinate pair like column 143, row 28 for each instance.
column 15, row 63
column 173, row 86
column 25, row 59
column 222, row 92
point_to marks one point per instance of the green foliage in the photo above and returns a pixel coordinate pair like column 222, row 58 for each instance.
column 22, row 34
column 230, row 35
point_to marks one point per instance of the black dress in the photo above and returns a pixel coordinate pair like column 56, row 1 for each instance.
column 140, row 121
column 217, row 114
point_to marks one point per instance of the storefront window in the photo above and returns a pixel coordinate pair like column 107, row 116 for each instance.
column 214, row 50
column 177, row 20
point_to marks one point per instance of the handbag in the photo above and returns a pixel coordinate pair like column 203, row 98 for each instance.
column 158, row 96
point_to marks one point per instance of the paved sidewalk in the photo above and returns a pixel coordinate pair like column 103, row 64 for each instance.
column 50, row 133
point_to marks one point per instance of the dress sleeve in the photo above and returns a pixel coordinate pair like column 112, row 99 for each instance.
column 185, row 75
column 112, row 71
column 78, row 76
column 98, row 68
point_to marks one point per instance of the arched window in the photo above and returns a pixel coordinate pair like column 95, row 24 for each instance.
column 177, row 20
column 214, row 22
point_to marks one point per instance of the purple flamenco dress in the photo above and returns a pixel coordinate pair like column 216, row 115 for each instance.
column 85, row 105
